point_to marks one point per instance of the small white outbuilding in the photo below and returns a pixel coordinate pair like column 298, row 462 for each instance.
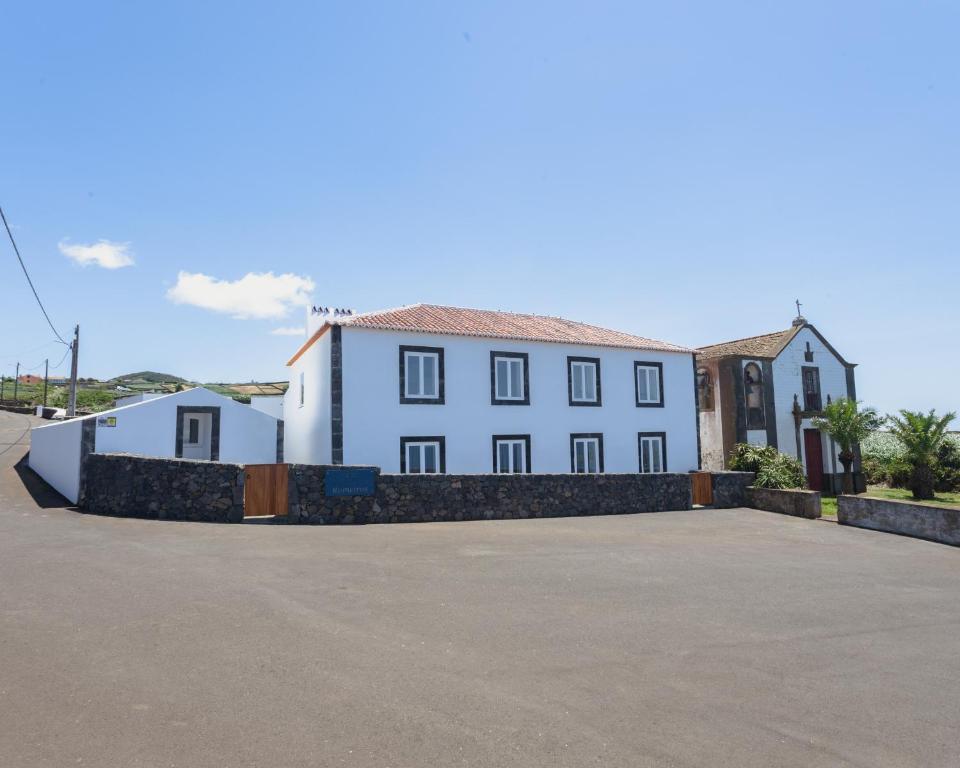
column 193, row 424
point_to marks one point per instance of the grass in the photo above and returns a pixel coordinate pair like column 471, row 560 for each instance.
column 950, row 499
column 828, row 504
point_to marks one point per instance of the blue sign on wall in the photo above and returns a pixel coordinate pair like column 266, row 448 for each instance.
column 349, row 482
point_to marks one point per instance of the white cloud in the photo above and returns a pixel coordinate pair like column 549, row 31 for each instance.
column 102, row 253
column 255, row 295
column 288, row 332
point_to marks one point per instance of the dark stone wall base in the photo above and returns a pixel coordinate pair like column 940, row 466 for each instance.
column 730, row 488
column 922, row 521
column 163, row 489
column 436, row 498
column 795, row 502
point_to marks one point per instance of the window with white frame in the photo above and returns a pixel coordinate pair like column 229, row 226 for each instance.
column 583, row 380
column 422, row 455
column 509, row 378
column 586, row 453
column 421, row 375
column 511, row 453
column 653, row 452
column 649, row 384
column 301, row 389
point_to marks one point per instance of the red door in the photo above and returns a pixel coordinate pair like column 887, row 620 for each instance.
column 813, row 446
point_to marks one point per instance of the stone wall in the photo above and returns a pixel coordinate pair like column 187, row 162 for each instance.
column 165, row 489
column 794, row 502
column 730, row 488
column 428, row 498
column 940, row 524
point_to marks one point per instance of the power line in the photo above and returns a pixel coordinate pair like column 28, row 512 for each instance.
column 24, row 267
column 62, row 358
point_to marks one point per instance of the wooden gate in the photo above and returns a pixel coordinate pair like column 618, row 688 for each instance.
column 702, row 488
column 265, row 490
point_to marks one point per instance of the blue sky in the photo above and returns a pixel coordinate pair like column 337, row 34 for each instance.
column 683, row 171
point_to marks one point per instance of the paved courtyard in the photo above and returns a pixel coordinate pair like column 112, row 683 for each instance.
column 701, row 638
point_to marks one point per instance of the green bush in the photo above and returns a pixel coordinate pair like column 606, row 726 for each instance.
column 773, row 469
column 884, row 462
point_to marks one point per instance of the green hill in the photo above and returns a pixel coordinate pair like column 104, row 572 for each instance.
column 152, row 376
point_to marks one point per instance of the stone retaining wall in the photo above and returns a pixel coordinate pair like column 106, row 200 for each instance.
column 730, row 488
column 792, row 501
column 941, row 524
column 429, row 498
column 165, row 489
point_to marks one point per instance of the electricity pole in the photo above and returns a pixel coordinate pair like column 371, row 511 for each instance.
column 72, row 403
column 46, row 375
column 16, row 383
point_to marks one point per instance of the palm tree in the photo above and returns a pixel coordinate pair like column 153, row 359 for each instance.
column 848, row 426
column 921, row 435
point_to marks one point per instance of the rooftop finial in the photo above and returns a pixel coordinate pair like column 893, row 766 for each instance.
column 799, row 319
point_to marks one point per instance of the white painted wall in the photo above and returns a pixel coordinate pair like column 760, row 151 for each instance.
column 272, row 405
column 306, row 429
column 374, row 419
column 55, row 456
column 149, row 428
column 788, row 381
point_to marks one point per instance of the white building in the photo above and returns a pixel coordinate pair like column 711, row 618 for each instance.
column 193, row 424
column 765, row 390
column 269, row 404
column 430, row 388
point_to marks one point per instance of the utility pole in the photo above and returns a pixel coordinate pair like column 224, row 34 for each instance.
column 46, row 375
column 16, row 383
column 3, row 380
column 72, row 403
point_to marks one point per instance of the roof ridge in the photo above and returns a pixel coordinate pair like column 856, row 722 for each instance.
column 745, row 338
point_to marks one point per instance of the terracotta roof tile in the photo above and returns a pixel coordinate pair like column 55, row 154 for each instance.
column 766, row 345
column 457, row 321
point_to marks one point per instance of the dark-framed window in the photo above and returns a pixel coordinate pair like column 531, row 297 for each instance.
column 648, row 384
column 652, row 448
column 586, row 452
column 421, row 375
column 811, row 388
column 511, row 454
column 753, row 396
column 583, row 381
column 509, row 378
column 423, row 455
column 193, row 431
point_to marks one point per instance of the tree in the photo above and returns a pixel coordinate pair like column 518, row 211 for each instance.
column 921, row 434
column 848, row 425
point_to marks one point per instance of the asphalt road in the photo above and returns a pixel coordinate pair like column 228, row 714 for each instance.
column 702, row 638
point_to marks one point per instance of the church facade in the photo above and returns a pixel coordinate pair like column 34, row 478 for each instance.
column 766, row 390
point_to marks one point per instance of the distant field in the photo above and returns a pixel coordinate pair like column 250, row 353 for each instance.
column 99, row 395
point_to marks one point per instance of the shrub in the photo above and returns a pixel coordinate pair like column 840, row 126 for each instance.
column 773, row 469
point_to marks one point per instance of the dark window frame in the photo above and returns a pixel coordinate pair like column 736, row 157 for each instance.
column 525, row 356
column 637, row 365
column 439, row 439
column 526, row 440
column 214, row 411
column 440, row 399
column 816, row 405
column 193, row 430
column 663, row 451
column 574, row 436
column 571, row 359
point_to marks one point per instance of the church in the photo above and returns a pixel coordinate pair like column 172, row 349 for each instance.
column 766, row 390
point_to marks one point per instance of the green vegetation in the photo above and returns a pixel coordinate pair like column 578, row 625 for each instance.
column 847, row 425
column 149, row 376
column 773, row 469
column 828, row 506
column 903, row 494
column 922, row 436
column 88, row 400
